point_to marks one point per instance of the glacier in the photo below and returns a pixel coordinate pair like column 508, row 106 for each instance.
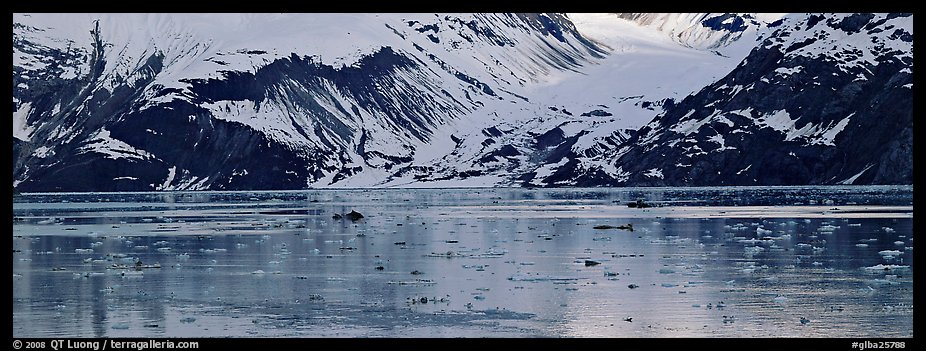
column 110, row 102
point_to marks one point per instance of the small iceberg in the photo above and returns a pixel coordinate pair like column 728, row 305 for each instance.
column 520, row 277
column 887, row 253
column 885, row 267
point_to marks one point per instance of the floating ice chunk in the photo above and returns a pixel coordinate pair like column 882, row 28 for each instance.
column 120, row 325
column 861, row 245
column 83, row 251
column 881, row 282
column 885, row 267
column 96, row 244
column 752, row 250
column 163, row 249
column 899, row 243
column 889, row 253
column 183, row 256
column 46, row 221
column 669, row 285
column 259, row 271
column 827, row 228
column 666, row 271
column 187, row 320
column 780, row 299
column 161, row 243
column 413, row 282
column 762, row 231
column 520, row 277
column 888, row 229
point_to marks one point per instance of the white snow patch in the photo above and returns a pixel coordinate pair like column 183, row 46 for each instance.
column 43, row 152
column 830, row 134
column 171, row 173
column 781, row 121
column 851, row 180
column 717, row 138
column 654, row 172
column 787, row 71
column 619, row 174
column 103, row 143
column 21, row 129
column 546, row 170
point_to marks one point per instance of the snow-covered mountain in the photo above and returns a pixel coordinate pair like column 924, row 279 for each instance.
column 289, row 101
column 230, row 101
column 824, row 99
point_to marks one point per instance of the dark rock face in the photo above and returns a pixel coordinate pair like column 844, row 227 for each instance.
column 789, row 114
column 728, row 21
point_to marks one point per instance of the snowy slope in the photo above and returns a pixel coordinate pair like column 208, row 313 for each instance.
column 824, row 99
column 289, row 101
column 580, row 114
column 325, row 96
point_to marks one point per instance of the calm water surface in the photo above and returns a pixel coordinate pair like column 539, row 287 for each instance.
column 705, row 262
